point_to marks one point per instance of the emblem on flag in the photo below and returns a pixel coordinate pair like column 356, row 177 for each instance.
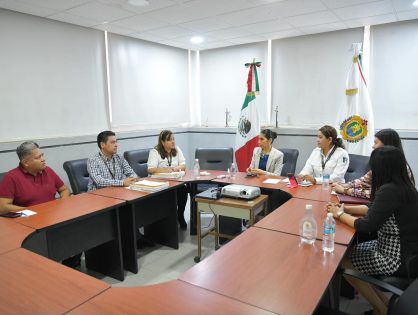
column 354, row 129
column 244, row 126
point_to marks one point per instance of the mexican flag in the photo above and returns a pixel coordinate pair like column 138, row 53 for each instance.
column 249, row 124
column 355, row 119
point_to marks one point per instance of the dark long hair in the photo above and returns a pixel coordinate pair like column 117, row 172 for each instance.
column 164, row 136
column 391, row 137
column 330, row 132
column 388, row 165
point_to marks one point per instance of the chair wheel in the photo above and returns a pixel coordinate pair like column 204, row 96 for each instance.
column 197, row 259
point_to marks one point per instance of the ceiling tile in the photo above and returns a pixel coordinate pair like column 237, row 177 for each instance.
column 170, row 32
column 205, row 25
column 407, row 15
column 296, row 7
column 372, row 20
column 26, row 8
column 322, row 28
column 186, row 39
column 282, row 34
column 254, row 15
column 247, row 39
column 322, row 17
column 216, row 7
column 114, row 29
column 140, row 23
column 73, row 19
column 333, row 4
column 403, row 5
column 217, row 44
column 147, row 36
column 153, row 5
column 368, row 9
column 58, row 5
column 177, row 14
column 267, row 27
column 179, row 45
column 227, row 33
column 100, row 12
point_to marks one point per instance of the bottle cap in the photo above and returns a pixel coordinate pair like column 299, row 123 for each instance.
column 329, row 215
column 308, row 207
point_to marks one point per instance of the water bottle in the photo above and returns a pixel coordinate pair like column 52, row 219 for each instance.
column 325, row 181
column 228, row 173
column 233, row 170
column 196, row 169
column 329, row 234
column 307, row 227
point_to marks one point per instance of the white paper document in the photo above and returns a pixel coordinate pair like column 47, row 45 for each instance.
column 26, row 212
column 272, row 181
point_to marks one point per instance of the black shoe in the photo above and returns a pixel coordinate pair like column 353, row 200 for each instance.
column 142, row 242
column 183, row 224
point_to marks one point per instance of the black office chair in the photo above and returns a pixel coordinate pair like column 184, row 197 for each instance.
column 290, row 158
column 138, row 159
column 1, row 176
column 77, row 174
column 359, row 165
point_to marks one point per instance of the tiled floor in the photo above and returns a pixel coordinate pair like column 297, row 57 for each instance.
column 160, row 264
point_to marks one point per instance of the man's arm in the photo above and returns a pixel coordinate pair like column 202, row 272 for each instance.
column 6, row 205
column 64, row 191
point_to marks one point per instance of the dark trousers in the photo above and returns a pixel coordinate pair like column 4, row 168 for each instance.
column 182, row 192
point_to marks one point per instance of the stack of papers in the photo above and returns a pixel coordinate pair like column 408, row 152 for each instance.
column 148, row 186
column 174, row 175
column 272, row 181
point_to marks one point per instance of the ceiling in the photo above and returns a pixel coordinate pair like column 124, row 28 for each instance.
column 221, row 22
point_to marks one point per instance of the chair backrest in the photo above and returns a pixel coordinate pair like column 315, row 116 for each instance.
column 1, row 176
column 290, row 158
column 77, row 174
column 218, row 159
column 138, row 159
column 407, row 303
column 359, row 165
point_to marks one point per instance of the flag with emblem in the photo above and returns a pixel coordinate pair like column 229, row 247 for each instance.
column 249, row 124
column 355, row 120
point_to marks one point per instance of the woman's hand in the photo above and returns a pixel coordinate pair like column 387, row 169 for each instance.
column 334, row 208
column 337, row 188
column 256, row 171
column 308, row 178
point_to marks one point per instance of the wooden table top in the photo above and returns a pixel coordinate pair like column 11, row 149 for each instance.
column 12, row 234
column 61, row 210
column 237, row 203
column 189, row 176
column 287, row 219
column 129, row 195
column 269, row 270
column 32, row 284
column 174, row 297
column 314, row 192
column 242, row 179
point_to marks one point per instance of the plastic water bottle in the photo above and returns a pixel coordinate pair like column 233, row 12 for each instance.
column 329, row 234
column 233, row 170
column 325, row 181
column 307, row 227
column 228, row 173
column 196, row 169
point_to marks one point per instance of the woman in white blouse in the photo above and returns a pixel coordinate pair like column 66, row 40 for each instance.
column 166, row 157
column 328, row 158
column 266, row 159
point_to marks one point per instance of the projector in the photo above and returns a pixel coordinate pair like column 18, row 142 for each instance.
column 240, row 191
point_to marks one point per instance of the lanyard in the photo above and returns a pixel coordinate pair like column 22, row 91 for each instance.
column 329, row 156
column 108, row 168
column 169, row 159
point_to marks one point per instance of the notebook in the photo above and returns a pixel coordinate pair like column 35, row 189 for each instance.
column 352, row 200
column 211, row 193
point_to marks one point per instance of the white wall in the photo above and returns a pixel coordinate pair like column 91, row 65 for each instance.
column 394, row 74
column 309, row 74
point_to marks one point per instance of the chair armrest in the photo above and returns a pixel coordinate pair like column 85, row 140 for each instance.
column 374, row 281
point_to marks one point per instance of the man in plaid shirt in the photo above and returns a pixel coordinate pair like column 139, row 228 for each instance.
column 107, row 168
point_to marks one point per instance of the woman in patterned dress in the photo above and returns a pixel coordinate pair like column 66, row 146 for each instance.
column 393, row 213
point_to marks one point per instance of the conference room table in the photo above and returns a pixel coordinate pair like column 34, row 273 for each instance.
column 287, row 219
column 313, row 192
column 32, row 284
column 12, row 234
column 269, row 270
column 155, row 211
column 173, row 297
column 80, row 223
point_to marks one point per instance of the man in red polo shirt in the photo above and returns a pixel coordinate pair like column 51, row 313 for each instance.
column 31, row 183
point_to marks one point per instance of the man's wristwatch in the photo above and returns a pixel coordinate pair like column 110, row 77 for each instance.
column 340, row 213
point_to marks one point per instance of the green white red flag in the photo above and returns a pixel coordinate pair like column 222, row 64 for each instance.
column 249, row 124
